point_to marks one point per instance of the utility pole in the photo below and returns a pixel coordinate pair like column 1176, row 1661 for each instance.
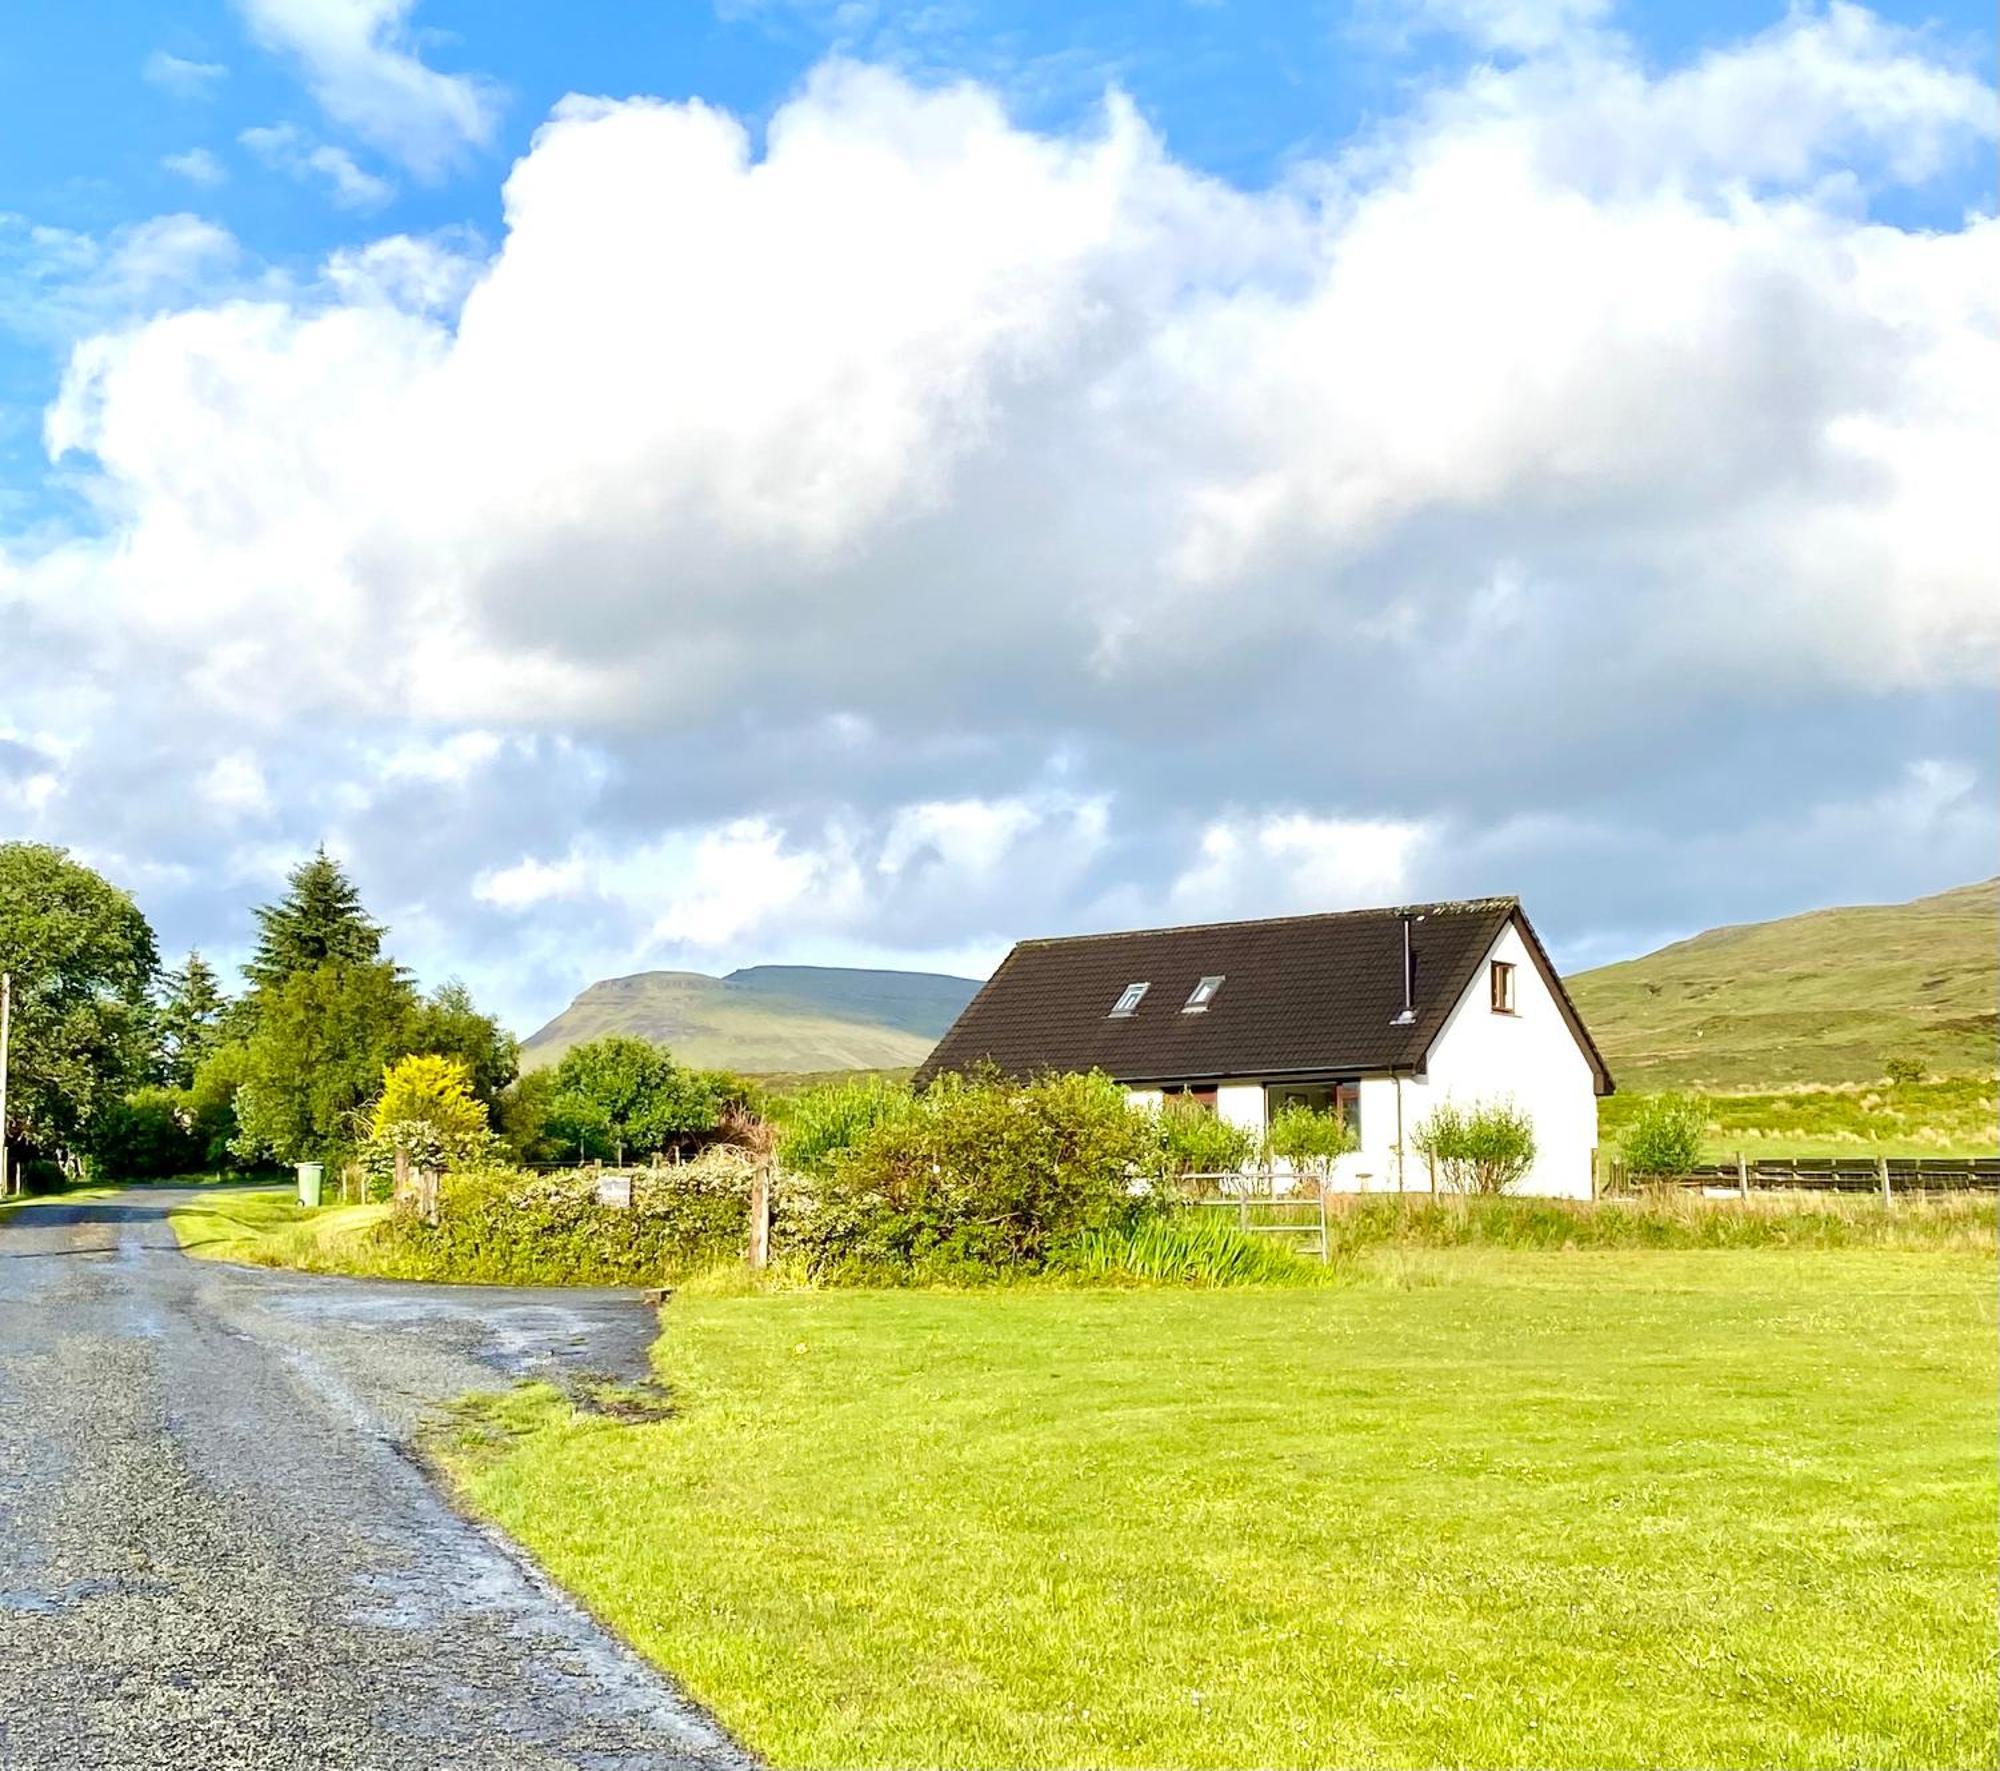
column 6, row 1027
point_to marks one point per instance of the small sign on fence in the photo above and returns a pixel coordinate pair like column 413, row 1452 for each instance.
column 615, row 1191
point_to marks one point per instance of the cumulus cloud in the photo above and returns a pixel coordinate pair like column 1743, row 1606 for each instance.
column 360, row 60
column 908, row 529
column 1272, row 863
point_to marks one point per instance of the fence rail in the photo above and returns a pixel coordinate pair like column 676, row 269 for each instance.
column 1850, row 1174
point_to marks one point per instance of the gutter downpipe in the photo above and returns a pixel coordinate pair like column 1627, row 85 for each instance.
column 1397, row 1076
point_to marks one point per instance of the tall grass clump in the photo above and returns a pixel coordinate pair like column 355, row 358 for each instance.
column 1672, row 1220
column 1191, row 1247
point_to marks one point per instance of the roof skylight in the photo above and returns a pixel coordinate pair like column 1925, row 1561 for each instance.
column 1128, row 1002
column 1201, row 996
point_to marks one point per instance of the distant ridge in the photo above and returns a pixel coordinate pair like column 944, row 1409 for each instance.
column 765, row 1019
column 1825, row 996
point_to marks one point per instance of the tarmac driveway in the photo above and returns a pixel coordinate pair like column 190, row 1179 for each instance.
column 215, row 1549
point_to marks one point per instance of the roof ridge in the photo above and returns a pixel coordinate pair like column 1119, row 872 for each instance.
column 1443, row 907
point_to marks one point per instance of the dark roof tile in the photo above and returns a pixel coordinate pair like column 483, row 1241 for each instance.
column 1300, row 994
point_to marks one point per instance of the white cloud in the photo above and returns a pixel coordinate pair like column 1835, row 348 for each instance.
column 530, row 882
column 935, row 529
column 234, row 786
column 289, row 150
column 182, row 77
column 197, row 166
column 1270, row 863
column 449, row 761
column 361, row 63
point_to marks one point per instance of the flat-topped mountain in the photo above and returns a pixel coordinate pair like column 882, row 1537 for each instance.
column 766, row 1018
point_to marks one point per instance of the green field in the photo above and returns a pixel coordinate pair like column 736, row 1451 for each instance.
column 1953, row 1116
column 1827, row 997
column 1474, row 1506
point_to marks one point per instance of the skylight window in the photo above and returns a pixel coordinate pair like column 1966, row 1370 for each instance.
column 1201, row 996
column 1128, row 1003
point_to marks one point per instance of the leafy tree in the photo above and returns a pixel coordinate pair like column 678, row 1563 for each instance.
column 521, row 1117
column 155, row 1132
column 319, row 921
column 428, row 1109
column 449, row 1024
column 1664, row 1137
column 189, row 1024
column 1903, row 1067
column 429, row 1090
column 1195, row 1140
column 1310, row 1139
column 616, row 1096
column 320, row 1044
column 82, row 960
column 1478, row 1149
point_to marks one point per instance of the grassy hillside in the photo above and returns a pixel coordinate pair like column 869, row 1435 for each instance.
column 768, row 1018
column 1827, row 997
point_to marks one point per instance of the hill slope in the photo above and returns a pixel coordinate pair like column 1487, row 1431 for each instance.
column 766, row 1018
column 1829, row 996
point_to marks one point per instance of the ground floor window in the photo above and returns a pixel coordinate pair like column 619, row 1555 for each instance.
column 1202, row 1097
column 1342, row 1097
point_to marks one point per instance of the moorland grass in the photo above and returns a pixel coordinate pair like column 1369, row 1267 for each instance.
column 1601, row 1507
column 1943, row 1116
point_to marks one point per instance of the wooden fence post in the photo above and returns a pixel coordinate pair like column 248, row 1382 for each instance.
column 1882, row 1168
column 401, row 1190
column 1742, row 1177
column 760, row 1216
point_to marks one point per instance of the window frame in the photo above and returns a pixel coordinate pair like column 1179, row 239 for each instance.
column 1204, row 993
column 1502, row 987
column 1129, row 1000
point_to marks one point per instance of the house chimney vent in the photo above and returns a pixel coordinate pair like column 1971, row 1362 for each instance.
column 1409, row 1014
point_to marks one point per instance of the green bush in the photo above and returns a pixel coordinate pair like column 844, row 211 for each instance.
column 977, row 1178
column 1903, row 1068
column 1479, row 1149
column 818, row 1125
column 1664, row 1137
column 156, row 1132
column 1195, row 1140
column 1310, row 1140
column 506, row 1227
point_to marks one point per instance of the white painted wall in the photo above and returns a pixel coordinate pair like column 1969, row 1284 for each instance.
column 1530, row 1057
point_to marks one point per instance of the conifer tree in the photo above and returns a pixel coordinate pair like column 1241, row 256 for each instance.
column 189, row 1023
column 319, row 921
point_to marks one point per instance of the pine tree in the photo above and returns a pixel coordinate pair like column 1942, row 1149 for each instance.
column 319, row 920
column 189, row 1023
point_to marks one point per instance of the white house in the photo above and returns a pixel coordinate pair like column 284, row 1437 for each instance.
column 1381, row 1014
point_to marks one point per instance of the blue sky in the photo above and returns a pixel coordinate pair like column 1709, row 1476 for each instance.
column 1079, row 467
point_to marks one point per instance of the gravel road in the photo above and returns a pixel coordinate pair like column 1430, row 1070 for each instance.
column 216, row 1551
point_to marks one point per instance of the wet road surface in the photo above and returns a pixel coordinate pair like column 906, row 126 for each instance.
column 217, row 1551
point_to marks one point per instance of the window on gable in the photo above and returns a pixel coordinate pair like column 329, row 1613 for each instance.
column 1201, row 996
column 1503, row 987
column 1129, row 1000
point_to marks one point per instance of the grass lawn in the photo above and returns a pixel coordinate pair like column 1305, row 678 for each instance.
column 271, row 1229
column 1504, row 1508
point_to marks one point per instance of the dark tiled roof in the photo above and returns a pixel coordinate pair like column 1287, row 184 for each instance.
column 1300, row 994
